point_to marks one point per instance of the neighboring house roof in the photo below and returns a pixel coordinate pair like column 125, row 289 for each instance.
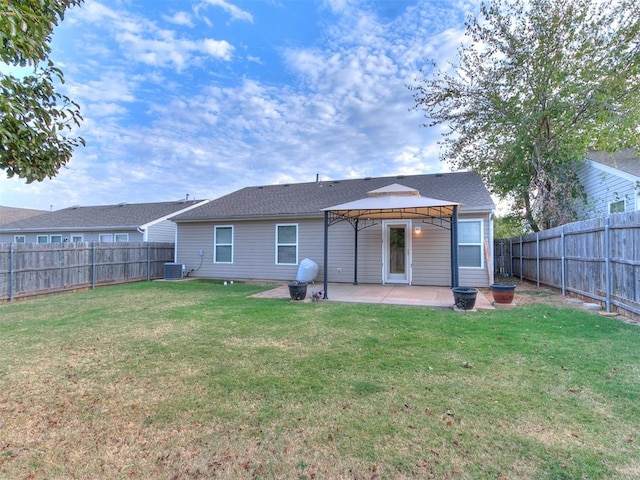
column 626, row 161
column 308, row 199
column 121, row 216
column 12, row 214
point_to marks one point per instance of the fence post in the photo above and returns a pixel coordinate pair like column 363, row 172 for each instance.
column 93, row 265
column 148, row 262
column 607, row 264
column 562, row 260
column 11, row 271
column 511, row 257
column 521, row 261
column 538, row 259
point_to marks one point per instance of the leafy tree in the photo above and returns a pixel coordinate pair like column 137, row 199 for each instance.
column 33, row 116
column 536, row 86
column 509, row 226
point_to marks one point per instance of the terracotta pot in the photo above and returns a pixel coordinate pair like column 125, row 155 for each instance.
column 502, row 293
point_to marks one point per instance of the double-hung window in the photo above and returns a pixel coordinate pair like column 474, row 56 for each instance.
column 470, row 234
column 223, row 244
column 287, row 244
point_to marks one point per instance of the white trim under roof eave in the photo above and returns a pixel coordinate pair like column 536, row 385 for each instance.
column 613, row 171
column 306, row 216
column 168, row 217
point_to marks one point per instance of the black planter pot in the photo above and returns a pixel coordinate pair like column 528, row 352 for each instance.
column 464, row 298
column 298, row 290
column 502, row 293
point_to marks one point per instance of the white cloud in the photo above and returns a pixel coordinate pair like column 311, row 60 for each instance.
column 236, row 12
column 180, row 18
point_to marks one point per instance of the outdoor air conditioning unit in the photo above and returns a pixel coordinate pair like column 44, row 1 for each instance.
column 174, row 271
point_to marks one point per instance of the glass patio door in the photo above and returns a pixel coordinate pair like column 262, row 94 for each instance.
column 396, row 244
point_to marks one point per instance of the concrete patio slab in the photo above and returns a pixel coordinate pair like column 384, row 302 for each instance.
column 441, row 297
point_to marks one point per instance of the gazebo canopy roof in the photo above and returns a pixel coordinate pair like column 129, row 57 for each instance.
column 394, row 202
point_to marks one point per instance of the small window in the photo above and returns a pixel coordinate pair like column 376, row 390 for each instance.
column 470, row 236
column 121, row 237
column 43, row 239
column 616, row 207
column 76, row 238
column 56, row 239
column 20, row 239
column 287, row 244
column 106, row 237
column 223, row 244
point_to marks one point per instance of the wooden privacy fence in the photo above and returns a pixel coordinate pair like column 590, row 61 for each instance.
column 28, row 269
column 598, row 259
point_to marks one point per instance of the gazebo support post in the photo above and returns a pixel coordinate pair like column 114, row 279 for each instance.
column 326, row 253
column 355, row 255
column 454, row 248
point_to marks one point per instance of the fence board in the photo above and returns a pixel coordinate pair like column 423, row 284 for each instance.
column 598, row 259
column 31, row 269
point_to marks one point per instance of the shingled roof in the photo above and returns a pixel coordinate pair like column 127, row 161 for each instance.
column 308, row 199
column 123, row 215
column 12, row 214
column 625, row 160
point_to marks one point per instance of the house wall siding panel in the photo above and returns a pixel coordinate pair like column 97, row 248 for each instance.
column 603, row 188
column 254, row 252
column 164, row 231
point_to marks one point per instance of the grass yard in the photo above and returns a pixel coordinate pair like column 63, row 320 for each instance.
column 193, row 380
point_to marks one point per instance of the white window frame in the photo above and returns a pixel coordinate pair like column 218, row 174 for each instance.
column 105, row 238
column 53, row 238
column 216, row 244
column 120, row 237
column 74, row 238
column 278, row 244
column 20, row 239
column 472, row 244
column 43, row 237
column 618, row 202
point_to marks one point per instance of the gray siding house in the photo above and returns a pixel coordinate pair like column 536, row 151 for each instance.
column 264, row 232
column 125, row 222
column 611, row 182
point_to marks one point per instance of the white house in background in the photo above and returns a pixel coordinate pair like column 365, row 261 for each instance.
column 124, row 222
column 378, row 231
column 611, row 182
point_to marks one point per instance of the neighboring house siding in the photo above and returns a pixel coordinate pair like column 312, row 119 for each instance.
column 30, row 237
column 164, row 231
column 603, row 186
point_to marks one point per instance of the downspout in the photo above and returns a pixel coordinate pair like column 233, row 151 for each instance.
column 326, row 250
column 355, row 256
column 144, row 233
column 454, row 248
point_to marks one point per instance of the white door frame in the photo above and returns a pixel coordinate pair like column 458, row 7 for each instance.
column 388, row 277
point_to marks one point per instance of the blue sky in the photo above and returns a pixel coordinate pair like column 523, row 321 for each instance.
column 208, row 96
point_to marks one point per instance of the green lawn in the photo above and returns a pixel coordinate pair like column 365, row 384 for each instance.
column 192, row 380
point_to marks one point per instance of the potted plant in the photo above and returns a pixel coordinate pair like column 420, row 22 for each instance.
column 297, row 290
column 503, row 292
column 464, row 298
